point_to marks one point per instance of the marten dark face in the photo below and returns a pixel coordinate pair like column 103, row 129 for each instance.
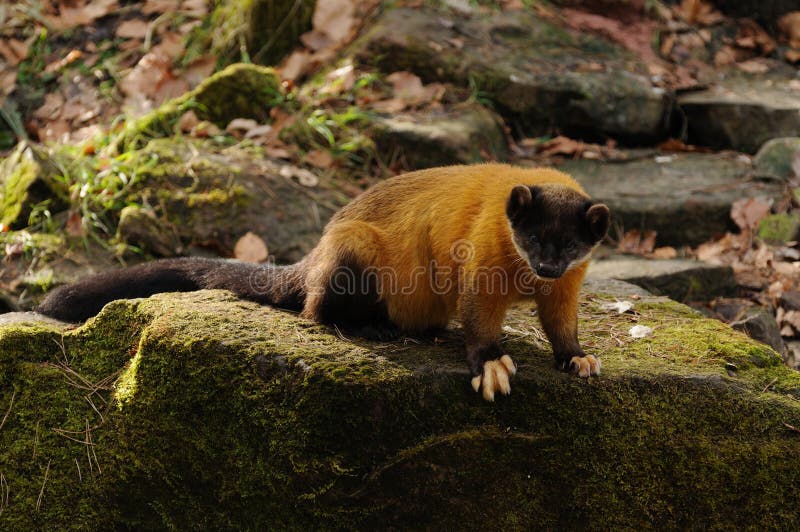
column 554, row 228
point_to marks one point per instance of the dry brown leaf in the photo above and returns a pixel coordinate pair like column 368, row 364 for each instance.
column 206, row 129
column 160, row 6
column 194, row 8
column 134, row 28
column 335, row 18
column 637, row 243
column 13, row 51
column 55, row 130
column 250, row 248
column 296, row 65
column 791, row 319
column 74, row 226
column 8, row 82
column 199, row 69
column 747, row 213
column 259, row 132
column 80, row 13
column 316, row 40
column 340, row 80
column 319, row 158
column 792, row 56
column 789, row 28
column 667, row 252
column 753, row 36
column 51, row 108
column 392, row 105
column 699, row 12
column 170, row 46
column 560, row 146
column 188, row 121
column 753, row 66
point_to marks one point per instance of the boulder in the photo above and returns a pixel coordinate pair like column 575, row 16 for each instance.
column 777, row 229
column 198, row 410
column 679, row 279
column 685, row 197
column 742, row 112
column 760, row 324
column 28, row 178
column 199, row 196
column 776, row 157
column 457, row 135
column 540, row 75
column 239, row 91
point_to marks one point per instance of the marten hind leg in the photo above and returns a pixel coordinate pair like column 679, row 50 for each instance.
column 344, row 288
column 491, row 369
column 557, row 303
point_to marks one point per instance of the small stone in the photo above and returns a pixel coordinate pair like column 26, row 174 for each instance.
column 790, row 300
column 760, row 324
column 776, row 156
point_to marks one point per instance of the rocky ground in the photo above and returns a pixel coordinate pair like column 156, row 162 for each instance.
column 681, row 117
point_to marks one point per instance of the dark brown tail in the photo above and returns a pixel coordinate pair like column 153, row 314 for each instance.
column 280, row 286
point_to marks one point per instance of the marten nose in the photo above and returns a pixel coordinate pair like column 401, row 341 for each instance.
column 548, row 270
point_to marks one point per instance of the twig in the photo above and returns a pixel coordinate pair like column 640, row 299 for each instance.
column 91, row 444
column 35, row 439
column 41, row 492
column 80, row 477
column 13, row 394
column 792, row 428
column 767, row 387
column 4, row 490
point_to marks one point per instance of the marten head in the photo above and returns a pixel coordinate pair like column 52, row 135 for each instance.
column 554, row 228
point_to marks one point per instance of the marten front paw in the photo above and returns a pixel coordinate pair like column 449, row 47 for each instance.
column 585, row 366
column 495, row 377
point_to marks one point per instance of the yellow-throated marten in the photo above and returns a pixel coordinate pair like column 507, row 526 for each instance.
column 407, row 255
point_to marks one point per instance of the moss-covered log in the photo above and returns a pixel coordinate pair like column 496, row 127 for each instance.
column 199, row 410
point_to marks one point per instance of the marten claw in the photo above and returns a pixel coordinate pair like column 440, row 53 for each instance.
column 495, row 378
column 585, row 366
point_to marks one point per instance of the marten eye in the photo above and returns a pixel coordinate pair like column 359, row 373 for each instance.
column 533, row 240
column 570, row 246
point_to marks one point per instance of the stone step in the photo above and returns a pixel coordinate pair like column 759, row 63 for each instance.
column 685, row 197
column 679, row 279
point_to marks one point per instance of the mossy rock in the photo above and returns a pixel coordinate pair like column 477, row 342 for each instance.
column 199, row 410
column 264, row 30
column 199, row 195
column 540, row 75
column 775, row 158
column 28, row 177
column 239, row 91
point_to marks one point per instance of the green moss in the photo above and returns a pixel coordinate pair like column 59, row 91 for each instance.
column 239, row 91
column 26, row 179
column 225, row 414
column 779, row 228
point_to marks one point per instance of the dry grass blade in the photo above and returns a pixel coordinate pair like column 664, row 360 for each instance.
column 792, row 428
column 41, row 492
column 2, row 423
column 4, row 492
column 80, row 477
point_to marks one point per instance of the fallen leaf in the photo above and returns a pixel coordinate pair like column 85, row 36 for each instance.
column 304, row 177
column 206, row 129
column 640, row 331
column 13, row 50
column 698, row 12
column 171, row 46
column 408, row 87
column 80, row 13
column 747, row 213
column 199, row 69
column 160, row 6
column 789, row 28
column 51, row 108
column 637, row 243
column 753, row 66
column 188, row 121
column 667, row 252
column 259, row 131
column 74, row 226
column 241, row 125
column 250, row 248
column 296, row 65
column 319, row 158
column 194, row 8
column 753, row 36
column 335, row 18
column 560, row 145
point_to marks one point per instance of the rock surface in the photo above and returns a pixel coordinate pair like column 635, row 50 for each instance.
column 760, row 324
column 540, row 75
column 201, row 411
column 776, row 157
column 28, row 178
column 679, row 279
column 685, row 197
column 742, row 112
column 458, row 135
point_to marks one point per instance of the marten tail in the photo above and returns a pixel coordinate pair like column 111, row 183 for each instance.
column 280, row 286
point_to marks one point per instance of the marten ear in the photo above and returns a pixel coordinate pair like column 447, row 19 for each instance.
column 521, row 198
column 598, row 216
